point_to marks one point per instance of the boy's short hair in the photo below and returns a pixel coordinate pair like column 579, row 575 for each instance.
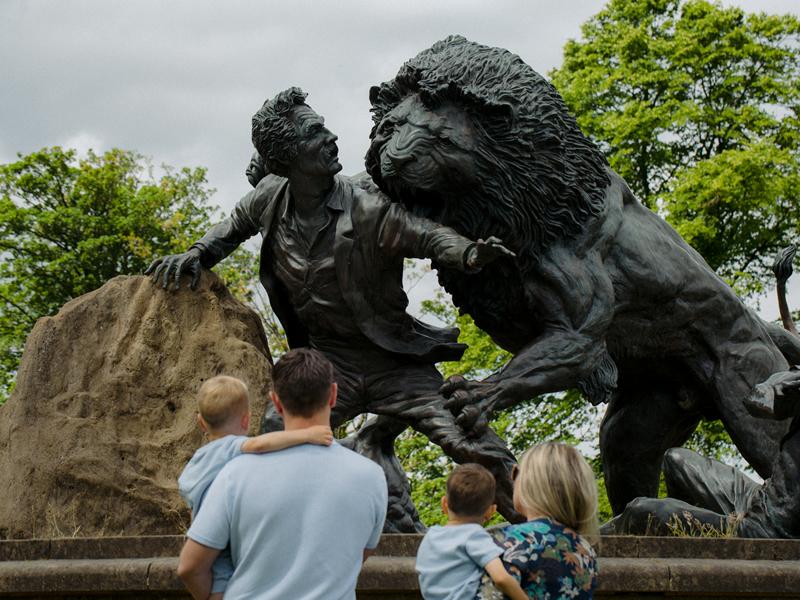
column 470, row 490
column 222, row 399
column 302, row 380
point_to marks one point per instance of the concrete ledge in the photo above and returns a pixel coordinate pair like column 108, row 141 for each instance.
column 147, row 546
column 406, row 545
column 630, row 567
column 627, row 546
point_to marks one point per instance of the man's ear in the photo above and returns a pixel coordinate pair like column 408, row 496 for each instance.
column 201, row 422
column 277, row 402
column 445, row 507
column 333, row 395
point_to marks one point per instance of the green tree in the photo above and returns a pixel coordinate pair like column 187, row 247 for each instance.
column 697, row 106
column 67, row 225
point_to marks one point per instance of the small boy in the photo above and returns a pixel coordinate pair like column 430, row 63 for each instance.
column 224, row 415
column 451, row 559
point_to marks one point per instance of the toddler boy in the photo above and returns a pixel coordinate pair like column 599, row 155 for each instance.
column 452, row 559
column 224, row 414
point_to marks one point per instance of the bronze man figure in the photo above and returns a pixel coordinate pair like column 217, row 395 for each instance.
column 331, row 262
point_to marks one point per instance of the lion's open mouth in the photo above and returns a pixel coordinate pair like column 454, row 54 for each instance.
column 420, row 202
column 413, row 183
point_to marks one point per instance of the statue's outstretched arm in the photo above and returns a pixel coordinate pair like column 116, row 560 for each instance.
column 415, row 237
column 220, row 241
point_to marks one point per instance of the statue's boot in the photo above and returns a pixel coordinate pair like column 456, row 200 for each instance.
column 375, row 440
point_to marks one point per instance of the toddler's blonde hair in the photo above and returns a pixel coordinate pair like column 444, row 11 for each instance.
column 554, row 480
column 222, row 399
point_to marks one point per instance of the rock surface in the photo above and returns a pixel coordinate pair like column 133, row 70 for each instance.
column 102, row 419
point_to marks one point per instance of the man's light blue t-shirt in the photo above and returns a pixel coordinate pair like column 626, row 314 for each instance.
column 451, row 559
column 204, row 466
column 297, row 521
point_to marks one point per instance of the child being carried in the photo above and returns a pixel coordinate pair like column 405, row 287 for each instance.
column 452, row 559
column 224, row 415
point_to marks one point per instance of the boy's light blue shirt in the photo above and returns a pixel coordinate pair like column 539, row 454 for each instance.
column 194, row 482
column 297, row 521
column 204, row 466
column 451, row 559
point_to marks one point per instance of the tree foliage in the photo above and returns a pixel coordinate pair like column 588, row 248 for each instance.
column 67, row 225
column 697, row 106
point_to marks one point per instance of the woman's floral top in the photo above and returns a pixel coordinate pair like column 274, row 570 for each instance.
column 551, row 562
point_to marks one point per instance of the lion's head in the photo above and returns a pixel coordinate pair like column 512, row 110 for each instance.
column 474, row 138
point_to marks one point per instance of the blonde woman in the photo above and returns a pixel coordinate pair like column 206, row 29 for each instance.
column 551, row 554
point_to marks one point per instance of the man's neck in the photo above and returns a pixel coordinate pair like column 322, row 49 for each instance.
column 292, row 422
column 308, row 194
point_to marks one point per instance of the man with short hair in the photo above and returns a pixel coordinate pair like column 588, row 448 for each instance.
column 299, row 522
column 332, row 264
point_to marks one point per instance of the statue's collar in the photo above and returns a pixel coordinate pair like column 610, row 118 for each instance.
column 333, row 200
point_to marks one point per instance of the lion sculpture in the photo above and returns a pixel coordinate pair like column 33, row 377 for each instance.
column 603, row 294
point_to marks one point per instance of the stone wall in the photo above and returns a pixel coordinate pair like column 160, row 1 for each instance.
column 630, row 567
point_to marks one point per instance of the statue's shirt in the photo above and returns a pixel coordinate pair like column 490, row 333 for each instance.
column 343, row 287
column 305, row 265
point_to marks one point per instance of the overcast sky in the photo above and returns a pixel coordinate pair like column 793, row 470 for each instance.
column 179, row 81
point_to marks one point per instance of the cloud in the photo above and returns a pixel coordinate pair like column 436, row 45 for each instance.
column 179, row 81
column 82, row 142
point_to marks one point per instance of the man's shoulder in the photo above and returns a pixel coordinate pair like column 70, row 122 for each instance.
column 270, row 184
column 356, row 462
column 266, row 192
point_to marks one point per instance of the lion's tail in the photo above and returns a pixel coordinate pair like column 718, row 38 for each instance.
column 783, row 270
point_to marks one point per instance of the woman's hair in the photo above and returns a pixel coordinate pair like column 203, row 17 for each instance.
column 556, row 481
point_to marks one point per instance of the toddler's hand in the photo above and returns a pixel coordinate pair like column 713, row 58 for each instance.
column 320, row 435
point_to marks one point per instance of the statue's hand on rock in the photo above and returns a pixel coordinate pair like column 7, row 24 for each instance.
column 170, row 268
column 486, row 251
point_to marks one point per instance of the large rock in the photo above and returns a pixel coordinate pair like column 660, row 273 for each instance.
column 102, row 419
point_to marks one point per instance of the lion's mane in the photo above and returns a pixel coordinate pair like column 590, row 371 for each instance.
column 541, row 179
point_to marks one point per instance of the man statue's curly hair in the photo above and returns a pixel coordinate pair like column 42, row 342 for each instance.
column 274, row 132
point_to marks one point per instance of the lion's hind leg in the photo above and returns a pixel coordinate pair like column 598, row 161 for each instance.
column 643, row 420
column 739, row 370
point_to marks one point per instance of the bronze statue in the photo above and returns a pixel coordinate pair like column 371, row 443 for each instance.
column 596, row 292
column 332, row 262
column 603, row 294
